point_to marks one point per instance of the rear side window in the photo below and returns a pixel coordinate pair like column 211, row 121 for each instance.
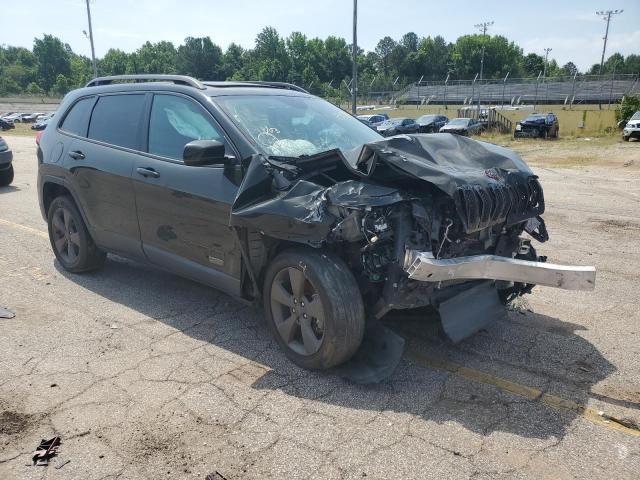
column 116, row 120
column 78, row 117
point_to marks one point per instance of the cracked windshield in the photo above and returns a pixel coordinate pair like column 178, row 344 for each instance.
column 293, row 126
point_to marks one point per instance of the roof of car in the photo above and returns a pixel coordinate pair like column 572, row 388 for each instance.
column 212, row 88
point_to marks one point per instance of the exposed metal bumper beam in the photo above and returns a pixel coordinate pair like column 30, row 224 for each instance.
column 422, row 266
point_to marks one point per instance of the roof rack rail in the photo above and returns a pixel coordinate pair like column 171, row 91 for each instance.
column 177, row 79
column 256, row 83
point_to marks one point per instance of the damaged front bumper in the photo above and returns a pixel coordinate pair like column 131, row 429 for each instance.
column 424, row 267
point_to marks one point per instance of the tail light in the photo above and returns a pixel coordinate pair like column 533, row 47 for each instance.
column 38, row 136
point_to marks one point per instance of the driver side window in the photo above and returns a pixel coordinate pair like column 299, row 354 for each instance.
column 176, row 121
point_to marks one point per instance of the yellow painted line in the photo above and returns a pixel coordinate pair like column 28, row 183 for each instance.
column 471, row 374
column 552, row 401
column 17, row 226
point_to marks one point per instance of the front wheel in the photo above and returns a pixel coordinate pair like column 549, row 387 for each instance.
column 6, row 176
column 314, row 308
column 70, row 239
column 626, row 139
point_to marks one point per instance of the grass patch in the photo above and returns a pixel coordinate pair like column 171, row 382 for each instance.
column 581, row 120
column 21, row 130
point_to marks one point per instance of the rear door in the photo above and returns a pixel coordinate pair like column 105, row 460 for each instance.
column 184, row 210
column 101, row 160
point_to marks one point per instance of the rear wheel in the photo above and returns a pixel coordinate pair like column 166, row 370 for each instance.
column 70, row 239
column 314, row 308
column 6, row 176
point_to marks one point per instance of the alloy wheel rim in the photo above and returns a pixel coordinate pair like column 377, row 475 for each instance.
column 297, row 311
column 66, row 237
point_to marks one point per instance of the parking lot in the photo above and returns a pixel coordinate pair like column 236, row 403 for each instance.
column 146, row 375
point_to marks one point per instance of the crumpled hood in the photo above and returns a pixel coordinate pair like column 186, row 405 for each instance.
column 485, row 181
column 533, row 121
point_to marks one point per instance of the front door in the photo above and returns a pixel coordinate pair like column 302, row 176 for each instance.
column 183, row 211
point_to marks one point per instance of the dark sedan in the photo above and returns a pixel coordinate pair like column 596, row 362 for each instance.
column 397, row 126
column 463, row 126
column 6, row 125
column 431, row 123
column 43, row 122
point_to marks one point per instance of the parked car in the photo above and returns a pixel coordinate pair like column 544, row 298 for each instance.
column 30, row 117
column 278, row 197
column 6, row 166
column 431, row 123
column 6, row 124
column 43, row 121
column 463, row 126
column 632, row 128
column 539, row 125
column 13, row 117
column 397, row 126
column 373, row 120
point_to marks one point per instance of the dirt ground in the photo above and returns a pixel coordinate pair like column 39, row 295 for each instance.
column 148, row 376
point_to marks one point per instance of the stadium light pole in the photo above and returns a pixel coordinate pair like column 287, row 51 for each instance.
column 93, row 51
column 546, row 61
column 483, row 28
column 607, row 17
column 354, row 58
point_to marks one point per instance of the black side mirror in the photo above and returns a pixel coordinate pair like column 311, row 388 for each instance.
column 204, row 152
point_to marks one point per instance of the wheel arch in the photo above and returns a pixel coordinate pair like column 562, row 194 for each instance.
column 53, row 187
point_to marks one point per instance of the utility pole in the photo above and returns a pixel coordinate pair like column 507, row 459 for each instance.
column 93, row 51
column 607, row 17
column 483, row 28
column 546, row 61
column 354, row 55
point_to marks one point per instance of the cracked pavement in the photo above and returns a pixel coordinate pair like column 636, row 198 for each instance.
column 146, row 375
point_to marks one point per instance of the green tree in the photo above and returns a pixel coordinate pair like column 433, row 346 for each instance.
column 630, row 104
column 157, row 57
column 338, row 59
column 533, row 64
column 81, row 70
column 200, row 58
column 34, row 89
column 614, row 62
column 570, row 69
column 61, row 86
column 233, row 60
column 52, row 58
column 632, row 64
column 269, row 57
column 9, row 86
column 114, row 62
column 384, row 50
column 433, row 58
column 298, row 57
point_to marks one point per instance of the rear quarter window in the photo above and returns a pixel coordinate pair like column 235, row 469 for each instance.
column 77, row 119
column 116, row 119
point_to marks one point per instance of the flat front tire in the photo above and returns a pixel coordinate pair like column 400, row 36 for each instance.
column 70, row 239
column 314, row 308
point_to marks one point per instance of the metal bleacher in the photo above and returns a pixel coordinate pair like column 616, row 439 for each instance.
column 564, row 90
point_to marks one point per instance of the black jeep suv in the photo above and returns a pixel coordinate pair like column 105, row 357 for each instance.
column 539, row 125
column 271, row 194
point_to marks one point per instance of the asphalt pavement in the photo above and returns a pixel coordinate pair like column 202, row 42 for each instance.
column 145, row 375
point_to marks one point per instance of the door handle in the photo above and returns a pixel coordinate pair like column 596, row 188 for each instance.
column 77, row 155
column 147, row 172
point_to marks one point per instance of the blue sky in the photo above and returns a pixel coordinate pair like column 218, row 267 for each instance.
column 570, row 27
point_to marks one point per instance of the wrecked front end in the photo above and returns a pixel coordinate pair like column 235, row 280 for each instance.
column 421, row 220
